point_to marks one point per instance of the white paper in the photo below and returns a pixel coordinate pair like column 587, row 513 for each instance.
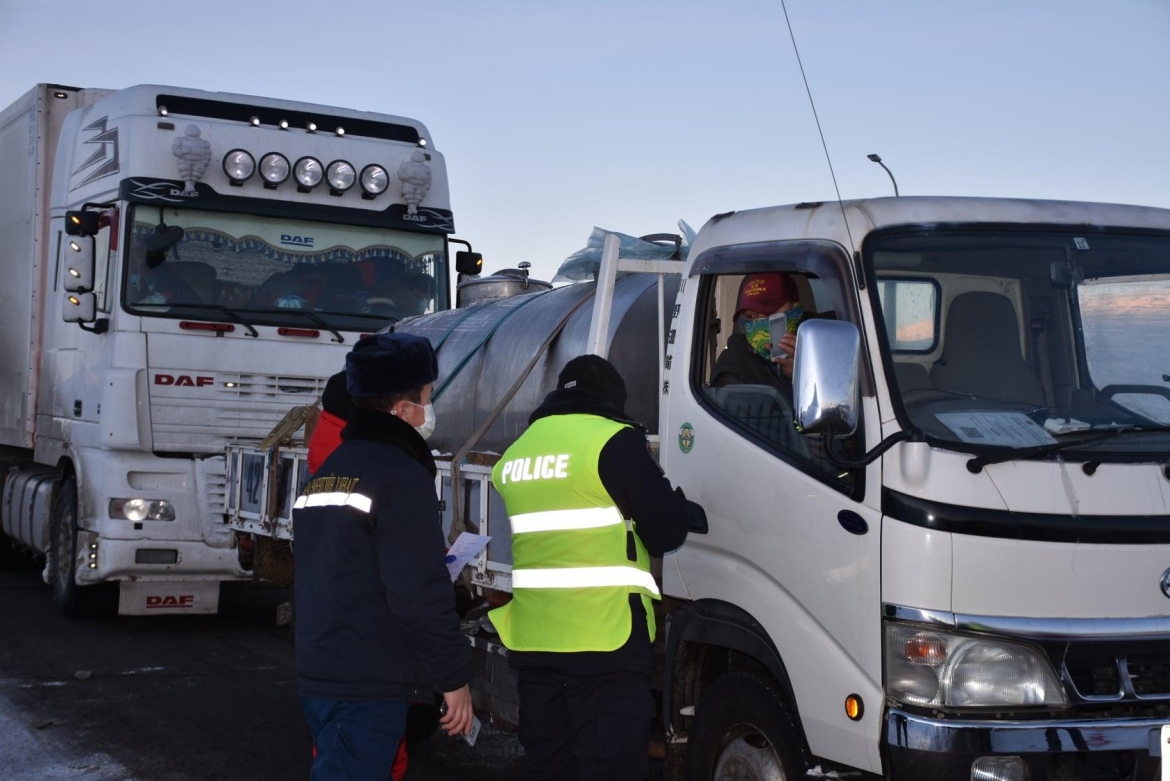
column 465, row 548
column 1007, row 429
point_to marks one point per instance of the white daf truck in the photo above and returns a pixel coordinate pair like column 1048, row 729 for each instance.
column 181, row 267
column 943, row 553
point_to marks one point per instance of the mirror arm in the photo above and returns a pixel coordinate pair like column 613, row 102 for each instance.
column 844, row 462
column 100, row 326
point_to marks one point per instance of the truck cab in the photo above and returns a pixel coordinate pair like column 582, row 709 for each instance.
column 204, row 262
column 942, row 547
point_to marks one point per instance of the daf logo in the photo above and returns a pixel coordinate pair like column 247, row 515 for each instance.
column 1166, row 583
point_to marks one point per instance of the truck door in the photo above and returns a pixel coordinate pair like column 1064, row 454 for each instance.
column 793, row 539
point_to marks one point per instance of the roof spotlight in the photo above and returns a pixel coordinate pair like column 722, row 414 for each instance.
column 308, row 172
column 311, row 127
column 422, row 142
column 274, row 169
column 340, row 131
column 341, row 175
column 255, row 121
column 239, row 165
column 284, row 124
column 162, row 111
column 374, row 180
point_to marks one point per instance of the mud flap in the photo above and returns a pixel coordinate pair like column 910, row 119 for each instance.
column 167, row 597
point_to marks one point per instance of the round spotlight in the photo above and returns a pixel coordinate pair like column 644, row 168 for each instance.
column 341, row 175
column 239, row 165
column 312, row 127
column 340, row 131
column 162, row 111
column 374, row 179
column 422, row 142
column 255, row 121
column 308, row 172
column 274, row 168
column 284, row 124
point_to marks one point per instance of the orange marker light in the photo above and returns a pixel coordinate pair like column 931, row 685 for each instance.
column 854, row 707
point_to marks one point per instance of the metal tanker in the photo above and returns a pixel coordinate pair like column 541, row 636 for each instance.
column 484, row 349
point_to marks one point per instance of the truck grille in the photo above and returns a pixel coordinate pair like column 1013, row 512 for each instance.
column 1136, row 672
column 235, row 407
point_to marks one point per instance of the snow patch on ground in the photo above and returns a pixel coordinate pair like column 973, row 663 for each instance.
column 40, row 753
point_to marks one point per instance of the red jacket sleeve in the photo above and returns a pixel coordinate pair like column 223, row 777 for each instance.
column 326, row 437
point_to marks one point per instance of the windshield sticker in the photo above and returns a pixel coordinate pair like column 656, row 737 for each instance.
column 1005, row 429
column 1081, row 243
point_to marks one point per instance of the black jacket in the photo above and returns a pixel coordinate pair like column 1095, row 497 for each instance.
column 374, row 600
column 642, row 493
column 740, row 364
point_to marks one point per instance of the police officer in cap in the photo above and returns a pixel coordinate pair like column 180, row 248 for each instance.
column 588, row 507
column 374, row 599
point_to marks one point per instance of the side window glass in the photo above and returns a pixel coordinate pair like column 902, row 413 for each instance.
column 910, row 310
column 101, row 267
column 747, row 359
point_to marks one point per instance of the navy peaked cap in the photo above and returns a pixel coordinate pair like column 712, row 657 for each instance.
column 384, row 364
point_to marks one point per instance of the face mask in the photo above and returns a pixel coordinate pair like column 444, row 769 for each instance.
column 758, row 336
column 428, row 425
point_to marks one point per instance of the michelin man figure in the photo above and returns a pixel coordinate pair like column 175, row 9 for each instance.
column 416, row 181
column 194, row 154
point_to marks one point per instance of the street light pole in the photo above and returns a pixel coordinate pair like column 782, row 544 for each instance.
column 878, row 160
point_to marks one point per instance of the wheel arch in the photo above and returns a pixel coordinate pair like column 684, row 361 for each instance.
column 706, row 639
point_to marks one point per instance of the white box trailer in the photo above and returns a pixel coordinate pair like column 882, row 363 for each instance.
column 180, row 268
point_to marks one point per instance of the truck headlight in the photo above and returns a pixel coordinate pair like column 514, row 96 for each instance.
column 928, row 667
column 142, row 509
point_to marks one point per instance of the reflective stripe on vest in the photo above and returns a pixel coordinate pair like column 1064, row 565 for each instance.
column 335, row 499
column 584, row 577
column 566, row 520
column 572, row 573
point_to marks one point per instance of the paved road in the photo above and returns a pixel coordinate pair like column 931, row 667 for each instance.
column 172, row 698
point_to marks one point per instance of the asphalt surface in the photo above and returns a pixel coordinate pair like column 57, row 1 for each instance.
column 173, row 698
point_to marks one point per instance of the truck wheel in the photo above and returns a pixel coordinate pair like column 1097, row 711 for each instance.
column 742, row 730
column 72, row 600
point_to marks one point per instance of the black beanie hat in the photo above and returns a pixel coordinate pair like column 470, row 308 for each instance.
column 384, row 364
column 594, row 374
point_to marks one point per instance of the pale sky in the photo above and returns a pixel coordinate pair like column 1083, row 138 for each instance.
column 556, row 116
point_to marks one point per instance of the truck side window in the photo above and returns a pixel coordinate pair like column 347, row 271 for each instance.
column 742, row 379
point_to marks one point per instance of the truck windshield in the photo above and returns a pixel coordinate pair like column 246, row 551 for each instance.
column 1023, row 339
column 275, row 271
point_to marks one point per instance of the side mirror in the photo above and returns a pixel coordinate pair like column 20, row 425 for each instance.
column 81, row 223
column 826, row 377
column 80, row 308
column 467, row 262
column 78, row 264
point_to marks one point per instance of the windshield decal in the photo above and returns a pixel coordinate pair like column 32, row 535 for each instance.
column 1003, row 429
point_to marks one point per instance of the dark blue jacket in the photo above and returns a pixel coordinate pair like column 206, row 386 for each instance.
column 374, row 601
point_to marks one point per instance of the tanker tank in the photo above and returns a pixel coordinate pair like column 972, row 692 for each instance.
column 483, row 350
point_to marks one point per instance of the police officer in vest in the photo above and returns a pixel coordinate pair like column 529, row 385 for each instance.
column 374, row 600
column 588, row 507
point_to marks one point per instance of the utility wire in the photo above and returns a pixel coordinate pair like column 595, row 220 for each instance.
column 832, row 173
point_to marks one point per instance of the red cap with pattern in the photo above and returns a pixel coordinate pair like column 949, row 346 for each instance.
column 765, row 293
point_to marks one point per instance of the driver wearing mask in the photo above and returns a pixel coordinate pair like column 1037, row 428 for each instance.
column 748, row 356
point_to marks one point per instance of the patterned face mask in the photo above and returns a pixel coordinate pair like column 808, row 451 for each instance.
column 758, row 336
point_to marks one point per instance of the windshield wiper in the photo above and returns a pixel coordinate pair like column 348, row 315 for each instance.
column 975, row 465
column 317, row 319
column 232, row 314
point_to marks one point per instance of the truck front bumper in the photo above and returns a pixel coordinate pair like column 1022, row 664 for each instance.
column 918, row 747
column 103, row 558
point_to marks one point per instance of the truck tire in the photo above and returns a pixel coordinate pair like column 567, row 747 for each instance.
column 743, row 730
column 71, row 599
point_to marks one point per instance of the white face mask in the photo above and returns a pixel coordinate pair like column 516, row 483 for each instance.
column 428, row 425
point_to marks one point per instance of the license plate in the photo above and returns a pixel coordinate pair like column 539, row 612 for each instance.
column 1165, row 746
